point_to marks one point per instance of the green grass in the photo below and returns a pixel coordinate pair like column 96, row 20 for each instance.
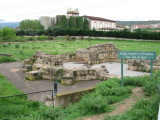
column 99, row 101
column 26, row 50
column 11, row 108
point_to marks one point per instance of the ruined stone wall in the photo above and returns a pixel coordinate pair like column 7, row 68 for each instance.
column 64, row 99
column 98, row 54
column 143, row 65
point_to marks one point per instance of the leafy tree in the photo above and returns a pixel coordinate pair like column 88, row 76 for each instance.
column 1, row 33
column 72, row 23
column 79, row 23
column 8, row 34
column 30, row 25
column 86, row 24
column 62, row 21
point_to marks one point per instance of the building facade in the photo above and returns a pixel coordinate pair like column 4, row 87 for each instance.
column 98, row 23
column 47, row 21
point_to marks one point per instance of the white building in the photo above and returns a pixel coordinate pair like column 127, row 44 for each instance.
column 47, row 21
column 98, row 23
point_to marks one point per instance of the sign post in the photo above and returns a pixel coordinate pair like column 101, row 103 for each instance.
column 139, row 55
column 122, row 79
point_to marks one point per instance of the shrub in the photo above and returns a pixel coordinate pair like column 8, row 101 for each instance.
column 135, row 81
column 112, row 90
column 93, row 104
column 17, row 46
column 4, row 45
column 42, row 37
column 151, row 86
column 31, row 38
column 4, row 59
column 51, row 113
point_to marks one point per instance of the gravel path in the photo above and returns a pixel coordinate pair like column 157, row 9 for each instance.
column 113, row 68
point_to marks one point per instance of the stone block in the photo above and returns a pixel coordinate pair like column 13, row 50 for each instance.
column 33, row 75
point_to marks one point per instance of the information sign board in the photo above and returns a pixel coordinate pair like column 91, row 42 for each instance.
column 141, row 55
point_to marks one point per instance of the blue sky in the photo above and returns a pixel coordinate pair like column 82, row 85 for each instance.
column 17, row 10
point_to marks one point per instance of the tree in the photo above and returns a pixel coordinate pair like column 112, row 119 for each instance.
column 79, row 23
column 86, row 24
column 30, row 25
column 72, row 23
column 62, row 21
column 8, row 33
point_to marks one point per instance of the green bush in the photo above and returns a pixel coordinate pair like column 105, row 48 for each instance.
column 93, row 104
column 51, row 113
column 135, row 81
column 151, row 86
column 4, row 59
column 112, row 87
column 8, row 34
column 17, row 46
column 42, row 37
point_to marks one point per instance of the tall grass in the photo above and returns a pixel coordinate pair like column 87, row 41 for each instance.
column 145, row 109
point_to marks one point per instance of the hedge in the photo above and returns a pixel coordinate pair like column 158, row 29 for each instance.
column 59, row 31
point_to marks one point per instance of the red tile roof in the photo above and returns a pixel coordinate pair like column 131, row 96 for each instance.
column 98, row 18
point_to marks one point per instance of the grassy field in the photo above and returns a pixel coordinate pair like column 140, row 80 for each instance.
column 25, row 50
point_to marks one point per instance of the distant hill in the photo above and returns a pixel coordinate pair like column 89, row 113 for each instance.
column 131, row 23
column 9, row 24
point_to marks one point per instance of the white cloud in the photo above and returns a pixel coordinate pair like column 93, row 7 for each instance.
column 17, row 10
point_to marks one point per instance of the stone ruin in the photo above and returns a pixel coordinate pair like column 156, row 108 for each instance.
column 45, row 66
column 143, row 65
column 98, row 54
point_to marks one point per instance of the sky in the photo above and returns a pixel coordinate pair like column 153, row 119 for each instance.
column 125, row 10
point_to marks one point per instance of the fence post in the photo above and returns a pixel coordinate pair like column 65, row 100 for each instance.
column 55, row 88
column 54, row 91
column 159, row 104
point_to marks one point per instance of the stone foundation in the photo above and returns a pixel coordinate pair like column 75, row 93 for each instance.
column 143, row 65
column 48, row 66
column 45, row 66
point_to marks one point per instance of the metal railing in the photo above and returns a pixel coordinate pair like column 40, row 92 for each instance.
column 159, row 113
column 159, row 104
column 54, row 92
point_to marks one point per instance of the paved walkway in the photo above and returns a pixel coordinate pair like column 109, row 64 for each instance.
column 113, row 68
column 13, row 72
